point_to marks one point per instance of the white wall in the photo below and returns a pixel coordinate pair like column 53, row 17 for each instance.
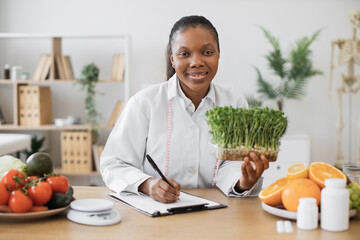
column 242, row 46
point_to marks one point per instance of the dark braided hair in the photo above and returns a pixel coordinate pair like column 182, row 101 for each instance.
column 181, row 25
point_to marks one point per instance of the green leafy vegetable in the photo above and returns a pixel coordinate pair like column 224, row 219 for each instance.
column 8, row 162
column 246, row 130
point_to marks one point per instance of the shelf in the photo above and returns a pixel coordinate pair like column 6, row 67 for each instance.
column 113, row 45
column 58, row 35
column 52, row 127
column 8, row 81
column 93, row 173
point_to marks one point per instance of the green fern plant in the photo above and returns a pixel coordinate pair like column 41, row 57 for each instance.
column 294, row 71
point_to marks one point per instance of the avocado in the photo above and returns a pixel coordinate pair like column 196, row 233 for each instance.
column 39, row 164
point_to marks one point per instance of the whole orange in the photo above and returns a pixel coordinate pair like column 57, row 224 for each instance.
column 299, row 188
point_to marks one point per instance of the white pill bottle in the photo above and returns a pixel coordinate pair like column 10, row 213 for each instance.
column 335, row 205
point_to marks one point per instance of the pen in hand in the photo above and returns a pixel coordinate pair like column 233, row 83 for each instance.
column 156, row 168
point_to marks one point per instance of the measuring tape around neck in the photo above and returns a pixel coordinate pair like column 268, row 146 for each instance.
column 168, row 140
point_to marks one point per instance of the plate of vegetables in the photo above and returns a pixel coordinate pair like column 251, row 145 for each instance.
column 32, row 190
column 238, row 131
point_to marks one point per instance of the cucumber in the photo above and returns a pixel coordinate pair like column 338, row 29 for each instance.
column 59, row 200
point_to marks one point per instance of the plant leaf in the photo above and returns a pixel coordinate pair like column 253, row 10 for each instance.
column 295, row 89
column 253, row 102
column 275, row 58
column 300, row 61
column 265, row 88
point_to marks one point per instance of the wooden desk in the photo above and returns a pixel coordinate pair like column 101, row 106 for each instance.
column 243, row 219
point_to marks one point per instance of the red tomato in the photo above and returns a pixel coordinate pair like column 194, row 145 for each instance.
column 59, row 184
column 4, row 194
column 30, row 178
column 19, row 202
column 13, row 179
column 40, row 194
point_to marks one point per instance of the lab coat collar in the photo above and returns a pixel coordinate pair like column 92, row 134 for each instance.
column 172, row 89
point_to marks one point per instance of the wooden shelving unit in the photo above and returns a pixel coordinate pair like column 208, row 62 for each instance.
column 56, row 41
column 59, row 170
column 12, row 127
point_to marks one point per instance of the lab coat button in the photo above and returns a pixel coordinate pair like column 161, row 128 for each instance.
column 192, row 171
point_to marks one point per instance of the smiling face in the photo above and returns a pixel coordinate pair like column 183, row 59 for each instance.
column 195, row 57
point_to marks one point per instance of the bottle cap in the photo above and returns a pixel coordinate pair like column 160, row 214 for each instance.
column 335, row 182
column 308, row 201
column 6, row 66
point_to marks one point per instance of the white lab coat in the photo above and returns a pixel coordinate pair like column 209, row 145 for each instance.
column 143, row 128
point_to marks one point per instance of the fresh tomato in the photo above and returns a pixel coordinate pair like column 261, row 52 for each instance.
column 59, row 184
column 39, row 209
column 13, row 179
column 40, row 194
column 19, row 202
column 31, row 178
column 4, row 194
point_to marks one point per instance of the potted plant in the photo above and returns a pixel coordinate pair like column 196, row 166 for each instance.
column 36, row 145
column 293, row 72
column 88, row 79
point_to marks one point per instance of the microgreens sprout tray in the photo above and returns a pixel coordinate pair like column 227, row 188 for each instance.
column 236, row 132
column 238, row 154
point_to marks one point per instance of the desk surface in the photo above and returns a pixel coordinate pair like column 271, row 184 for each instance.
column 243, row 219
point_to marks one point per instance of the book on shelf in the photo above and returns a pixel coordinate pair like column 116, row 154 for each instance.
column 2, row 118
column 63, row 67
column 40, row 67
column 97, row 150
column 60, row 67
column 46, row 70
column 116, row 113
column 66, row 63
column 118, row 67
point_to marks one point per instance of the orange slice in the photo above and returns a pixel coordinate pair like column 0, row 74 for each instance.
column 272, row 194
column 297, row 170
column 319, row 171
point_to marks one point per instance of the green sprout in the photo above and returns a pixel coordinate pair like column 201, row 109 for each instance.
column 255, row 129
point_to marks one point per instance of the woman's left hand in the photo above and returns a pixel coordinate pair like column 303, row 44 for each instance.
column 250, row 173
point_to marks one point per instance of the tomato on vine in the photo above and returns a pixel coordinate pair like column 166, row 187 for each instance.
column 31, row 178
column 19, row 202
column 59, row 184
column 40, row 193
column 13, row 179
column 4, row 194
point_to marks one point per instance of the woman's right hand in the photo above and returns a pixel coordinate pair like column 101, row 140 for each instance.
column 161, row 191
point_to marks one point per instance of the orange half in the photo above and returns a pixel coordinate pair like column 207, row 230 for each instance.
column 319, row 171
column 272, row 194
column 297, row 170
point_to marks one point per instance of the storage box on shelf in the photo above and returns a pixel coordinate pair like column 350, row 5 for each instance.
column 76, row 152
column 34, row 105
column 51, row 69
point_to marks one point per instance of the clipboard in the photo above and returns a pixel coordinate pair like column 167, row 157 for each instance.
column 145, row 204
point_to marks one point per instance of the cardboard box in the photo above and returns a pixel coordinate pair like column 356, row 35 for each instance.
column 76, row 152
column 34, row 104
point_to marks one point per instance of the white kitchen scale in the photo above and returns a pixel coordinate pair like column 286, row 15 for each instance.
column 93, row 211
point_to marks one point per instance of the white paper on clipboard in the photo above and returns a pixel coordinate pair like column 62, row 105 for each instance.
column 153, row 208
